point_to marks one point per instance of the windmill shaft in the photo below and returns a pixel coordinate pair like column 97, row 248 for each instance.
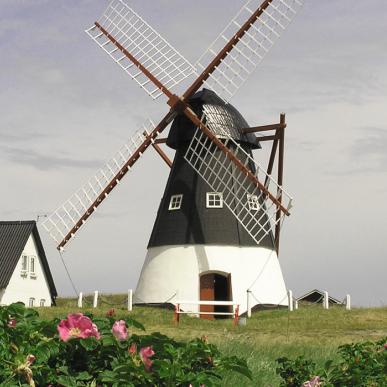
column 225, row 51
column 144, row 70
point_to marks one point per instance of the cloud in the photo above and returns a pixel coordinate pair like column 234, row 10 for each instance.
column 369, row 151
column 45, row 162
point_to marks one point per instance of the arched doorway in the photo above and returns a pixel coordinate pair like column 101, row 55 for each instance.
column 215, row 287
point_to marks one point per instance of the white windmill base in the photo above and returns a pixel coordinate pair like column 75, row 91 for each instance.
column 171, row 274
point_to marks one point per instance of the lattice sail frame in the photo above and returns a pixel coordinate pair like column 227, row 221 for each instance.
column 66, row 216
column 145, row 44
column 235, row 68
column 251, row 207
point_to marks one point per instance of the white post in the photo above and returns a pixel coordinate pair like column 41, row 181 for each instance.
column 130, row 300
column 348, row 302
column 248, row 304
column 95, row 300
column 296, row 304
column 326, row 300
column 80, row 300
column 290, row 300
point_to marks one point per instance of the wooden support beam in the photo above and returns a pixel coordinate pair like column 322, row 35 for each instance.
column 267, row 138
column 160, row 140
column 263, row 128
column 162, row 154
column 280, row 179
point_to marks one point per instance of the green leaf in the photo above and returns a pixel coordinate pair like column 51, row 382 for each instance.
column 90, row 343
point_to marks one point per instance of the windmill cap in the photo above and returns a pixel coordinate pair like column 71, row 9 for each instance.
column 220, row 117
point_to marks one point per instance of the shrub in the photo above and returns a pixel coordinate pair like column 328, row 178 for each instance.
column 86, row 351
column 361, row 364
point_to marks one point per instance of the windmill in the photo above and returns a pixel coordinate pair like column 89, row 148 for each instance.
column 218, row 226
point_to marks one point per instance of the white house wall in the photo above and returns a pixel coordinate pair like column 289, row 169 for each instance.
column 171, row 273
column 22, row 288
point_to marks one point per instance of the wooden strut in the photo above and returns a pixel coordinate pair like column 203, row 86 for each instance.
column 162, row 154
column 177, row 105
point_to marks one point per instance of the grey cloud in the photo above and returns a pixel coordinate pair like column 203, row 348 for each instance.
column 45, row 162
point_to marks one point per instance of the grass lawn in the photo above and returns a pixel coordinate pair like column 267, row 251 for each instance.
column 268, row 335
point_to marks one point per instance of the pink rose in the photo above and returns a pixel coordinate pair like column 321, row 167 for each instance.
column 30, row 359
column 119, row 330
column 314, row 382
column 145, row 354
column 12, row 323
column 133, row 349
column 77, row 326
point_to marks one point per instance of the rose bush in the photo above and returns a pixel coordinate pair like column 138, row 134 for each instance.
column 361, row 364
column 84, row 351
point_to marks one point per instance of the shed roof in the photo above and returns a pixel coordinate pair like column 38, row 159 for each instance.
column 13, row 238
column 317, row 296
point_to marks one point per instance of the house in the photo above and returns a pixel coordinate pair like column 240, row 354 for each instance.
column 317, row 296
column 24, row 272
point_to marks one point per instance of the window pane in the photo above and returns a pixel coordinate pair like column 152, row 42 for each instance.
column 24, row 262
column 214, row 200
column 176, row 202
column 32, row 265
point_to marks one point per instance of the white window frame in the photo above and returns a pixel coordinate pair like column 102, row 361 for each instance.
column 212, row 198
column 33, row 266
column 31, row 302
column 253, row 202
column 24, row 265
column 42, row 302
column 175, row 202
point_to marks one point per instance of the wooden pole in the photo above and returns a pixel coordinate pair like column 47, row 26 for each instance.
column 80, row 297
column 348, row 302
column 290, row 300
column 130, row 300
column 95, row 300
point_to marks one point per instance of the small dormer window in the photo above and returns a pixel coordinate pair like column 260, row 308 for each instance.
column 175, row 202
column 253, row 203
column 214, row 200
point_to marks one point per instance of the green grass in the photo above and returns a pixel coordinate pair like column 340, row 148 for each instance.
column 268, row 335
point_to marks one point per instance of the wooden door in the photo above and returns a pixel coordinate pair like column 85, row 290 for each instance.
column 207, row 293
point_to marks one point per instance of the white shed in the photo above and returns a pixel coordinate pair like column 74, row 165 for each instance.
column 24, row 272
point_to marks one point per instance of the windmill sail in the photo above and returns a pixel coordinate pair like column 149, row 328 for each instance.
column 65, row 221
column 249, row 204
column 130, row 41
column 259, row 27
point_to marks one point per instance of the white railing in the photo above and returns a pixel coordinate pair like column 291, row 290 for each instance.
column 179, row 311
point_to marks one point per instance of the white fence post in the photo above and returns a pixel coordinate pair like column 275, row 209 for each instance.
column 130, row 300
column 348, row 302
column 80, row 297
column 326, row 300
column 95, row 300
column 296, row 304
column 248, row 304
column 290, row 300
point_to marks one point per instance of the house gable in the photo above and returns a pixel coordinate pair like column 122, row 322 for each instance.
column 24, row 270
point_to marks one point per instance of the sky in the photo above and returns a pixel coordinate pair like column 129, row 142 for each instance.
column 65, row 108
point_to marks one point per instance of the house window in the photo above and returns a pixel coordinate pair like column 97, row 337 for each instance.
column 42, row 302
column 214, row 200
column 31, row 302
column 176, row 201
column 24, row 267
column 252, row 201
column 32, row 265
